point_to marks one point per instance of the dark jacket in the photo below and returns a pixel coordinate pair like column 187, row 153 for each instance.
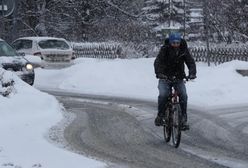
column 170, row 61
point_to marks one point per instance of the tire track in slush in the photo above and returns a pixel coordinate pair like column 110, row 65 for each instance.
column 109, row 132
column 121, row 131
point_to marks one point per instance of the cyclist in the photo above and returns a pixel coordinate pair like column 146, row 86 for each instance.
column 169, row 69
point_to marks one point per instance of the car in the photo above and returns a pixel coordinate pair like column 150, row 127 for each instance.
column 48, row 48
column 11, row 61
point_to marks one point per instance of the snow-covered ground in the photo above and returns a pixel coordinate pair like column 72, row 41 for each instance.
column 215, row 85
column 25, row 119
column 27, row 114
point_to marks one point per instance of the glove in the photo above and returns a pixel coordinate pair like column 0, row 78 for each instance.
column 161, row 76
column 191, row 77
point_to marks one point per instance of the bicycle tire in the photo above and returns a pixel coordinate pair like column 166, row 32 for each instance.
column 167, row 133
column 176, row 125
column 167, row 126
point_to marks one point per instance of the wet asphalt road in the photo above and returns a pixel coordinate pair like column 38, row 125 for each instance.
column 121, row 132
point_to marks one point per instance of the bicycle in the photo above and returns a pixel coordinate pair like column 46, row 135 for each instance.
column 172, row 120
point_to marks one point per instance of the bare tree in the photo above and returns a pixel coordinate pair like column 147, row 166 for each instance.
column 228, row 19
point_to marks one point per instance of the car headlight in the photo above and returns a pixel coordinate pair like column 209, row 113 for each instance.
column 29, row 66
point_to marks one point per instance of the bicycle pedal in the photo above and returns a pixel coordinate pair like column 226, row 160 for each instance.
column 185, row 128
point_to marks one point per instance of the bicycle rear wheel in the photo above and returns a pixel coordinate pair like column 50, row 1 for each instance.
column 176, row 125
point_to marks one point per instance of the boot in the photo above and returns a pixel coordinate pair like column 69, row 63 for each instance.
column 158, row 121
column 185, row 125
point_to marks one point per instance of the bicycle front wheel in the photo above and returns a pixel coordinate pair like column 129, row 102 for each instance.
column 176, row 125
column 167, row 125
column 167, row 133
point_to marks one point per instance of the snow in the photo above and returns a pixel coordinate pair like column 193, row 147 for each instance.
column 27, row 114
column 41, row 38
column 175, row 26
column 219, row 85
column 214, row 86
column 8, row 59
column 225, row 161
column 25, row 118
column 33, row 59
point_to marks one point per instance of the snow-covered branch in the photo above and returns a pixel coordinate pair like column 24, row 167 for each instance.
column 109, row 2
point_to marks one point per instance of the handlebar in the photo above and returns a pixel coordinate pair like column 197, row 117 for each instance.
column 174, row 79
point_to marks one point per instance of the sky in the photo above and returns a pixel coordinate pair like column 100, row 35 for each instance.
column 27, row 114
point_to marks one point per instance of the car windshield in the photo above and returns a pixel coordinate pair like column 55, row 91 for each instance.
column 51, row 44
column 6, row 49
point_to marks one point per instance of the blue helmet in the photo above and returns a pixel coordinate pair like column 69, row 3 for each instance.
column 175, row 37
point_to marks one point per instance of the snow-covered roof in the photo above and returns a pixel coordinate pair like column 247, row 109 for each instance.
column 164, row 1
column 41, row 38
column 176, row 26
column 150, row 8
column 196, row 10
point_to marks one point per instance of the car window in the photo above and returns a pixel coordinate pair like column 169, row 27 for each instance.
column 53, row 44
column 22, row 44
column 6, row 50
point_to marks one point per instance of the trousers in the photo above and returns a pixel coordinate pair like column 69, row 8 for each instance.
column 164, row 88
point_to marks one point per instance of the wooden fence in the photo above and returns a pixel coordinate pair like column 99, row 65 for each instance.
column 114, row 50
column 219, row 55
column 98, row 50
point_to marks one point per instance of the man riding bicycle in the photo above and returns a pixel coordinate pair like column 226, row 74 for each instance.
column 169, row 69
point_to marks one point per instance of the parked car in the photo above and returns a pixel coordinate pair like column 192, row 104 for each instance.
column 48, row 48
column 11, row 61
